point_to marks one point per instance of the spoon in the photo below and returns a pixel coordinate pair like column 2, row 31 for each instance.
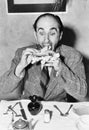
column 61, row 113
column 10, row 108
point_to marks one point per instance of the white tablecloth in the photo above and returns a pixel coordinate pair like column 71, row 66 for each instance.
column 57, row 121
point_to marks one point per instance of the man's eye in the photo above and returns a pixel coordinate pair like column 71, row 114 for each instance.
column 53, row 33
column 41, row 33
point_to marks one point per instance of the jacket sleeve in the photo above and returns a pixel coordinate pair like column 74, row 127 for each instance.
column 10, row 85
column 73, row 73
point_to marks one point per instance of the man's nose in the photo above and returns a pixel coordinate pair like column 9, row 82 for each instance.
column 46, row 38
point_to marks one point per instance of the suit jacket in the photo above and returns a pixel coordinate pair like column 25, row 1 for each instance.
column 70, row 80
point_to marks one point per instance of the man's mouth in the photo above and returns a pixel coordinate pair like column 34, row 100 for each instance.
column 49, row 47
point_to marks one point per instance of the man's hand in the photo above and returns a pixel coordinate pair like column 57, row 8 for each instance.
column 52, row 61
column 26, row 59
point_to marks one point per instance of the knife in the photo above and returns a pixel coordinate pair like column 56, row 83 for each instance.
column 22, row 111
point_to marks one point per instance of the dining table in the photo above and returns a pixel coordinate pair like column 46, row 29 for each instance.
column 61, row 116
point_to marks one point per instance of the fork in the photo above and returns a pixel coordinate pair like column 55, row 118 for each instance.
column 69, row 109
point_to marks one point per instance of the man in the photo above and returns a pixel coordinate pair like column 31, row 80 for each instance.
column 47, row 69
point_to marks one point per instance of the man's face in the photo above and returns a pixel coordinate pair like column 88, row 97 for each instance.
column 47, row 32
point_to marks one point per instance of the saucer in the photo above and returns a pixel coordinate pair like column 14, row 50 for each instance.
column 83, row 122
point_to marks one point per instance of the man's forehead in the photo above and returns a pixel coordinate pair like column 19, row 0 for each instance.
column 47, row 22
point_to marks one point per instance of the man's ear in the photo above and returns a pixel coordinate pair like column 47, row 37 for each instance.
column 61, row 35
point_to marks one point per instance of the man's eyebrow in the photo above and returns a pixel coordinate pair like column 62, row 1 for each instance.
column 40, row 29
column 53, row 28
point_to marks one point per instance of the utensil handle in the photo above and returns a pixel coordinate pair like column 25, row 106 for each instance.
column 23, row 114
column 22, row 111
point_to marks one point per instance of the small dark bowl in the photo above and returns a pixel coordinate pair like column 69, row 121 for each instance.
column 34, row 107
